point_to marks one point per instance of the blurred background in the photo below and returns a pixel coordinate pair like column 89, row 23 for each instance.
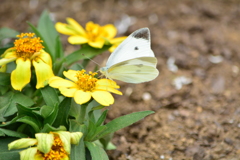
column 195, row 97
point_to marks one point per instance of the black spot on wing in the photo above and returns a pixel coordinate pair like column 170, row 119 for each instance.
column 136, row 48
column 142, row 33
column 139, row 65
column 138, row 70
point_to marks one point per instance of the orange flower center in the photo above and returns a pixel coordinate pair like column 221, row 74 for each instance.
column 86, row 82
column 57, row 151
column 27, row 45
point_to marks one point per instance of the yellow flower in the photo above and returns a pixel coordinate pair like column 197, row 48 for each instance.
column 94, row 34
column 27, row 51
column 52, row 146
column 82, row 87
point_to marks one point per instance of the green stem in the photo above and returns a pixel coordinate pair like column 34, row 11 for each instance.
column 81, row 117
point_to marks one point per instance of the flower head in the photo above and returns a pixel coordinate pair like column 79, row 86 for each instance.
column 27, row 51
column 94, row 34
column 52, row 146
column 82, row 87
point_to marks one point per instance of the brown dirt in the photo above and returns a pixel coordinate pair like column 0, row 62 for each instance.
column 200, row 121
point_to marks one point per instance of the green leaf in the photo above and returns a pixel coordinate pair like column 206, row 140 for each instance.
column 47, row 128
column 74, row 109
column 59, row 48
column 97, row 153
column 102, row 118
column 78, row 151
column 5, row 79
column 9, row 101
column 5, row 154
column 62, row 114
column 106, row 142
column 50, row 96
column 52, row 115
column 5, row 102
column 84, row 53
column 46, row 111
column 49, row 35
column 77, row 127
column 12, row 133
column 7, row 33
column 124, row 121
column 34, row 123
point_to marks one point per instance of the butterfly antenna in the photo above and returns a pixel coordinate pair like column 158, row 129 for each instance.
column 90, row 59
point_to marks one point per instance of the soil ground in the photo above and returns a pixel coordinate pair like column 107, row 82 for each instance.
column 197, row 44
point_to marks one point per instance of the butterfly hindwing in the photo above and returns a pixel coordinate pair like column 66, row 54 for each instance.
column 136, row 70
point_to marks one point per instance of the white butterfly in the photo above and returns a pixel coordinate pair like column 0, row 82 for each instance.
column 132, row 61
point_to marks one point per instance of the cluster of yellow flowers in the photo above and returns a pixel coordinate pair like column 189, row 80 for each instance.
column 30, row 57
column 28, row 51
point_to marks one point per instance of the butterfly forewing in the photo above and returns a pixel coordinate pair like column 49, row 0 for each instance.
column 136, row 45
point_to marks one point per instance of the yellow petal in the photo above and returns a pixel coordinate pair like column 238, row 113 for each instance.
column 45, row 141
column 43, row 72
column 71, row 74
column 68, row 92
column 76, row 26
column 64, row 29
column 4, row 61
column 109, row 89
column 81, row 97
column 28, row 154
column 103, row 97
column 45, row 57
column 9, row 53
column 22, row 143
column 22, row 74
column 98, row 43
column 3, row 68
column 57, row 82
column 75, row 39
column 110, row 30
column 107, row 83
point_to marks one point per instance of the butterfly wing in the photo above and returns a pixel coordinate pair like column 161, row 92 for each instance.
column 136, row 45
column 135, row 70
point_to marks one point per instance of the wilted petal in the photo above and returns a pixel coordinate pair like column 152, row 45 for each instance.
column 22, row 143
column 28, row 154
column 22, row 74
column 81, row 97
column 103, row 97
column 66, row 139
column 45, row 141
column 75, row 137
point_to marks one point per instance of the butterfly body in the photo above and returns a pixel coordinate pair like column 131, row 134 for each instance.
column 133, row 61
